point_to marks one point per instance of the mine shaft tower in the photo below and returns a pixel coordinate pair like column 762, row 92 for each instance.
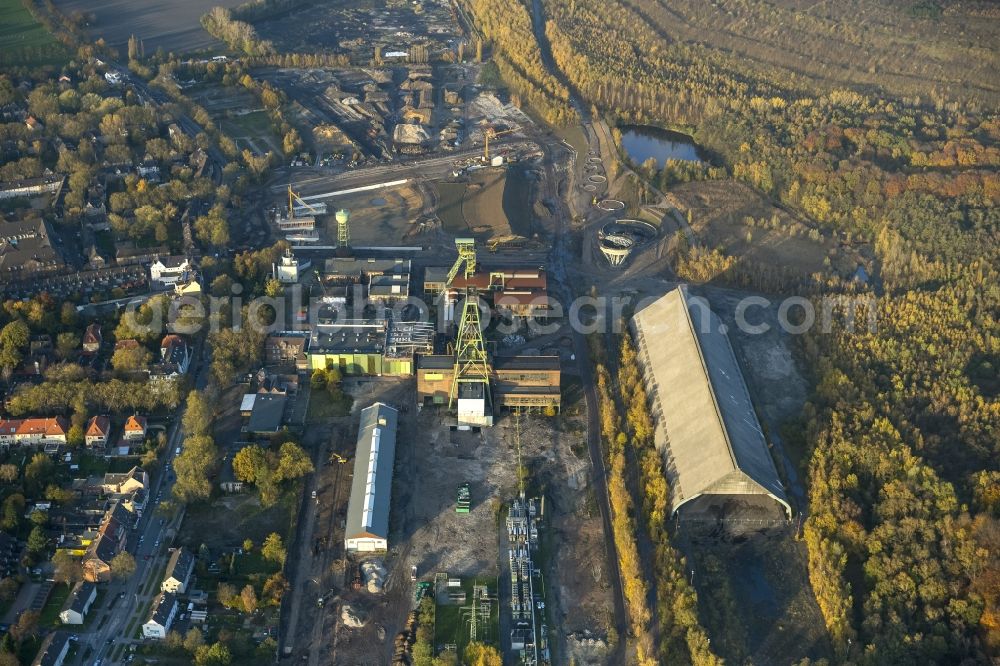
column 470, row 387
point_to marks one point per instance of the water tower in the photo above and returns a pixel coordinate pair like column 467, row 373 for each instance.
column 343, row 230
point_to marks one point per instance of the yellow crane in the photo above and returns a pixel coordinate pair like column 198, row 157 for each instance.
column 490, row 133
column 292, row 198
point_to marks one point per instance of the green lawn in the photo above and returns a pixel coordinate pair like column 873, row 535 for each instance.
column 322, row 406
column 256, row 124
column 23, row 41
column 49, row 616
column 253, row 563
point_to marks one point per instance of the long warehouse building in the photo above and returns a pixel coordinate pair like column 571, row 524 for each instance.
column 716, row 457
column 367, row 528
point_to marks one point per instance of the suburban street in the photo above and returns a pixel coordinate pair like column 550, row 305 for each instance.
column 149, row 544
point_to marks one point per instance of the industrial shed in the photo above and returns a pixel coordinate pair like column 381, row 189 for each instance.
column 367, row 528
column 715, row 453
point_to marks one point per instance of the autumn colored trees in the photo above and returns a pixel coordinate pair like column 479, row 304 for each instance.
column 518, row 58
column 669, row 631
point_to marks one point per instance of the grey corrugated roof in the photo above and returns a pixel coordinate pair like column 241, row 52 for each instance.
column 267, row 413
column 382, row 418
column 701, row 404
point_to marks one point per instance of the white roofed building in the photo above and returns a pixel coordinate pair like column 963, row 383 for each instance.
column 717, row 459
column 367, row 528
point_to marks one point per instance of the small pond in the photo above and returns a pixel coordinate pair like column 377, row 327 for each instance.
column 643, row 141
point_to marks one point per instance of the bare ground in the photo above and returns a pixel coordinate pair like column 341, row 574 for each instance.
column 380, row 217
column 431, row 462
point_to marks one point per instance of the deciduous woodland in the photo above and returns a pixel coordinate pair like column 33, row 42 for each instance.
column 518, row 58
column 876, row 123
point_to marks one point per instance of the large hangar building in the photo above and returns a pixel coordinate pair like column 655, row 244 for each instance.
column 367, row 528
column 716, row 457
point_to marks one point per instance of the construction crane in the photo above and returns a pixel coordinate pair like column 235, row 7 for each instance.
column 292, row 198
column 490, row 133
column 472, row 366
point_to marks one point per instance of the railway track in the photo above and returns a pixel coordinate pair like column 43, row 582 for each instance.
column 332, row 490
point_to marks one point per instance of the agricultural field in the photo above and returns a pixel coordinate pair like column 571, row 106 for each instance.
column 24, row 41
column 173, row 25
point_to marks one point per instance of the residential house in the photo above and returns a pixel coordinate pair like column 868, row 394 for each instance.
column 178, row 573
column 97, row 432
column 97, row 559
column 188, row 286
column 92, row 339
column 27, row 187
column 135, row 429
column 34, row 432
column 161, row 616
column 168, row 270
column 127, row 343
column 54, row 649
column 125, row 482
column 40, row 344
column 27, row 249
column 267, row 413
column 175, row 355
column 81, row 597
column 135, row 502
column 8, row 431
column 110, row 541
column 126, row 518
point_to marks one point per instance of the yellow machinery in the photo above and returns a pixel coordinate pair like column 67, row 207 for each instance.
column 292, row 198
column 491, row 133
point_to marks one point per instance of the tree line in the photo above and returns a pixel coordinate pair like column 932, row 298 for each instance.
column 518, row 58
column 669, row 631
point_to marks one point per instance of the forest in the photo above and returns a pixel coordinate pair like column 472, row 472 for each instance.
column 845, row 119
column 518, row 57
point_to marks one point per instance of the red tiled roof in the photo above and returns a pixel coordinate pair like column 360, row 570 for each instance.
column 171, row 340
column 98, row 426
column 92, row 334
column 135, row 424
column 10, row 426
column 52, row 426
